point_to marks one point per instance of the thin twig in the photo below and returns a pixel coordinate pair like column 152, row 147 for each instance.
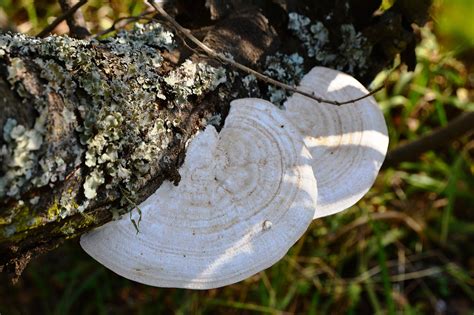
column 388, row 215
column 440, row 137
column 128, row 19
column 77, row 24
column 246, row 69
column 416, row 274
column 48, row 29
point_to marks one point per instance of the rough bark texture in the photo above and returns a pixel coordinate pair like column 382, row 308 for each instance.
column 91, row 128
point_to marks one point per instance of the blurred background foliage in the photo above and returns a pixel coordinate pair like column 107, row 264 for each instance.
column 407, row 247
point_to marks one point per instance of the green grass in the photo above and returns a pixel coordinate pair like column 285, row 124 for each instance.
column 456, row 25
column 407, row 247
column 382, row 259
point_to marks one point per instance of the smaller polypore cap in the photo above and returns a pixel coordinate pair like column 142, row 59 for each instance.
column 348, row 143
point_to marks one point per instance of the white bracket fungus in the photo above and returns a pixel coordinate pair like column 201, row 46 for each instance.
column 348, row 143
column 248, row 193
column 246, row 196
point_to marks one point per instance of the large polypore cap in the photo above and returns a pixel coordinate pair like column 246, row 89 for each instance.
column 348, row 143
column 246, row 195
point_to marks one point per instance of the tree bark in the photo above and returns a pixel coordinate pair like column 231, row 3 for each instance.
column 463, row 125
column 91, row 128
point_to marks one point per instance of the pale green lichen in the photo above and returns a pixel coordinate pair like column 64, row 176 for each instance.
column 15, row 70
column 17, row 156
column 93, row 181
column 284, row 68
column 122, row 129
column 313, row 36
column 33, row 201
column 250, row 84
column 67, row 204
column 52, row 169
column 281, row 67
column 55, row 74
column 351, row 55
column 353, row 49
column 68, row 116
column 193, row 79
column 146, row 37
column 214, row 120
column 57, row 57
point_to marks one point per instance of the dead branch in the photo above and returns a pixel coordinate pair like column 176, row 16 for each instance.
column 69, row 13
column 441, row 137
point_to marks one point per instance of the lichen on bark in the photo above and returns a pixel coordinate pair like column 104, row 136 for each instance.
column 106, row 114
column 90, row 127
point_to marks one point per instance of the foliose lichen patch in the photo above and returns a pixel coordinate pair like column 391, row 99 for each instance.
column 347, row 50
column 288, row 69
column 18, row 156
column 193, row 79
column 121, row 106
column 284, row 68
column 350, row 54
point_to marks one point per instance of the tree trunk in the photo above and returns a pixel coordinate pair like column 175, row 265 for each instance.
column 90, row 128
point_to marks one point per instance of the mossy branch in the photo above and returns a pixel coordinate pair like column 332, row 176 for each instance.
column 79, row 118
